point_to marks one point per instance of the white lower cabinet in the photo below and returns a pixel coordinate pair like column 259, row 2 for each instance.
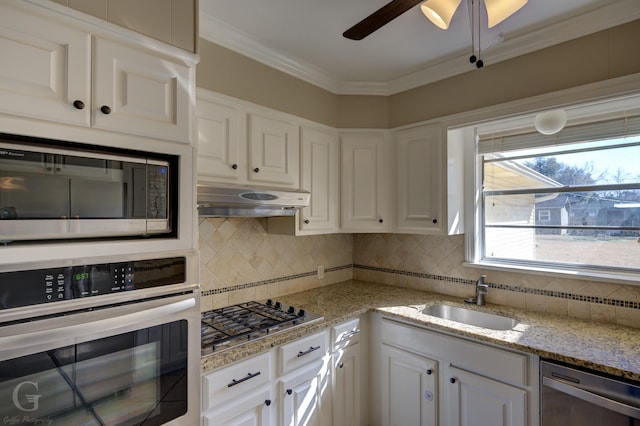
column 306, row 396
column 477, row 400
column 253, row 410
column 430, row 378
column 409, row 388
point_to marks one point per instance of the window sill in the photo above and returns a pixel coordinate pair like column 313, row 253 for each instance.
column 576, row 274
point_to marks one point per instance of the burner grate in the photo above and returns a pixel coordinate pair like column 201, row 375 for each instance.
column 224, row 326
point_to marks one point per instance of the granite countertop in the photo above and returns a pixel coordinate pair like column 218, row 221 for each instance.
column 606, row 348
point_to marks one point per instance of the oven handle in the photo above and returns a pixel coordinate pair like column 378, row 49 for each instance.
column 593, row 398
column 108, row 319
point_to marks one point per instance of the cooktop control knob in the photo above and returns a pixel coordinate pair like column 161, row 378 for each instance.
column 291, row 310
column 278, row 305
column 301, row 313
column 269, row 302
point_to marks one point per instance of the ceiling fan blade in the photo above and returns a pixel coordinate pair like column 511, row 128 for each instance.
column 379, row 18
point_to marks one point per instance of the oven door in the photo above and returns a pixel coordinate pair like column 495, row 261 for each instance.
column 136, row 364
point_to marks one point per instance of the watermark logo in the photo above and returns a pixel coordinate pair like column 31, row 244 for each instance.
column 32, row 399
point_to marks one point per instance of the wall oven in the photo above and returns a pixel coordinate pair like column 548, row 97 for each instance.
column 110, row 342
column 61, row 190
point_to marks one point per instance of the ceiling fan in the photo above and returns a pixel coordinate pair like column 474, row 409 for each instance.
column 439, row 12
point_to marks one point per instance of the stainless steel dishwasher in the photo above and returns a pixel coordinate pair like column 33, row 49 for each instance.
column 572, row 397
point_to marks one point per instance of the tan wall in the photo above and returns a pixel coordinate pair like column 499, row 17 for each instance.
column 601, row 56
column 171, row 21
column 229, row 73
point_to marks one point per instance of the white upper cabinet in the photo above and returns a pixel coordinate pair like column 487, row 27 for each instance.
column 240, row 143
column 429, row 180
column 57, row 69
column 364, row 186
column 319, row 175
column 420, row 180
column 273, row 151
column 138, row 92
column 220, row 151
column 46, row 68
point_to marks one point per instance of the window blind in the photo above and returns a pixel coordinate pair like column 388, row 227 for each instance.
column 606, row 129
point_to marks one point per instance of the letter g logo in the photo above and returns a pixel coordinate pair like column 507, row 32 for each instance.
column 33, row 399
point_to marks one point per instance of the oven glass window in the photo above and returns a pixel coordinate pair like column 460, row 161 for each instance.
column 136, row 378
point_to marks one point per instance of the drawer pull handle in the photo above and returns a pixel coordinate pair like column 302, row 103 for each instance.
column 245, row 378
column 308, row 351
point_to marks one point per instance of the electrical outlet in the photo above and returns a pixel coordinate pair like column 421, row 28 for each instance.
column 320, row 272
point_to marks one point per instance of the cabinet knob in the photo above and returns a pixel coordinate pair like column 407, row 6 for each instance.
column 78, row 104
column 429, row 372
column 106, row 110
column 380, row 220
column 341, row 364
column 289, row 391
column 234, row 166
column 307, row 221
column 267, row 402
column 435, row 221
column 452, row 380
column 257, row 170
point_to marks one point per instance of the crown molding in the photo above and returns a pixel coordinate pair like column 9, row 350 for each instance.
column 602, row 18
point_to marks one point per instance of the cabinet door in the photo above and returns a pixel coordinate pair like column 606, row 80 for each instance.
column 306, row 396
column 409, row 388
column 140, row 93
column 219, row 144
column 420, row 180
column 319, row 175
column 274, row 149
column 255, row 410
column 364, row 182
column 45, row 68
column 346, row 390
column 476, row 400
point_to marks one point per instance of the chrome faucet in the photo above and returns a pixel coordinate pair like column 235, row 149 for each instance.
column 482, row 289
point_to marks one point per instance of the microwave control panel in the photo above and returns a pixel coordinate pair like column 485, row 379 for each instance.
column 35, row 286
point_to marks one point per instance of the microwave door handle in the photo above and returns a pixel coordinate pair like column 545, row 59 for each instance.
column 610, row 404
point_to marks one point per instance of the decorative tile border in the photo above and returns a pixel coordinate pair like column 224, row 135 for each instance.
column 517, row 289
column 270, row 281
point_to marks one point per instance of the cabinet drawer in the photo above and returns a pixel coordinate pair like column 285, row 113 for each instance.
column 345, row 334
column 499, row 364
column 235, row 380
column 296, row 354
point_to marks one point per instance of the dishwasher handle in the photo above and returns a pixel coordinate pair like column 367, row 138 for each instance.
column 610, row 404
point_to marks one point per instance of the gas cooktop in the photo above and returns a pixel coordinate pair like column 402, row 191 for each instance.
column 227, row 327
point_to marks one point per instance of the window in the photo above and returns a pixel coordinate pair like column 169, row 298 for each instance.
column 568, row 202
column 544, row 215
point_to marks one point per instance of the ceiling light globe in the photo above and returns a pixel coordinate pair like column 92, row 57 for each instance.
column 440, row 12
column 550, row 122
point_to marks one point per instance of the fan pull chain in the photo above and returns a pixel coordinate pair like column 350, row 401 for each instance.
column 475, row 25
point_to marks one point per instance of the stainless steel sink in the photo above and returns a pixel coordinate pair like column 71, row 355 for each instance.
column 471, row 317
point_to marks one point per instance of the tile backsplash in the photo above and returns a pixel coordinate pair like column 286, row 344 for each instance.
column 240, row 261
column 435, row 263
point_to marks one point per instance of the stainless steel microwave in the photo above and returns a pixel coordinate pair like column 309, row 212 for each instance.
column 52, row 190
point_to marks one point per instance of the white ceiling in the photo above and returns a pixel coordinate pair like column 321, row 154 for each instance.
column 304, row 38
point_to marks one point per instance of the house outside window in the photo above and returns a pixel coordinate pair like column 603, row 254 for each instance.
column 567, row 203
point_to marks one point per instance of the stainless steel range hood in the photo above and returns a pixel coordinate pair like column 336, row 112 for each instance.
column 240, row 201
